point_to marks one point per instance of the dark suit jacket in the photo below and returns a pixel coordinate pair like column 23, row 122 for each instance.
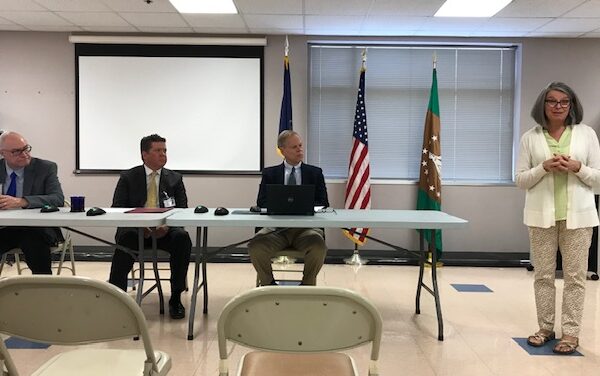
column 131, row 189
column 40, row 187
column 310, row 175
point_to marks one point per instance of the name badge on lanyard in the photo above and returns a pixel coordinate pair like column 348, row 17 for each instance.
column 168, row 202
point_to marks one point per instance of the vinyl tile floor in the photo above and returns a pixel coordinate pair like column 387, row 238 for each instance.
column 480, row 326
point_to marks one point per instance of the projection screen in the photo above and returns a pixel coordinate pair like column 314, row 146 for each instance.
column 207, row 101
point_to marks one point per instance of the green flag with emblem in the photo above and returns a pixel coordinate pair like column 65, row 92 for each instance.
column 430, row 181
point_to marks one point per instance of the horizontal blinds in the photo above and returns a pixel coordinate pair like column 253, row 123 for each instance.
column 476, row 93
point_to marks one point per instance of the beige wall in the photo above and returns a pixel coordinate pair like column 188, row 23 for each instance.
column 37, row 99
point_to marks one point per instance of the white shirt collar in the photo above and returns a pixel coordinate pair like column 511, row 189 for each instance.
column 149, row 171
column 289, row 166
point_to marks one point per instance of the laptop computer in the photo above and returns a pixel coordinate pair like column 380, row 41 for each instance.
column 290, row 199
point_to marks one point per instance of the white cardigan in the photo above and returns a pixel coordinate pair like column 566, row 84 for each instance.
column 539, row 200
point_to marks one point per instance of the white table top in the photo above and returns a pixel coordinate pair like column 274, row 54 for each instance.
column 411, row 219
column 114, row 217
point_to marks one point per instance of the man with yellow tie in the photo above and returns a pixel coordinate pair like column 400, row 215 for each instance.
column 151, row 185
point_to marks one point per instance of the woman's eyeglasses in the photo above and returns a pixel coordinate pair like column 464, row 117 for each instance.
column 564, row 103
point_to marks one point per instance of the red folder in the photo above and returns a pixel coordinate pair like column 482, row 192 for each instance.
column 148, row 210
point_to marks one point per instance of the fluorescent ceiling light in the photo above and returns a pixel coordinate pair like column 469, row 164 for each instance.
column 471, row 8
column 204, row 6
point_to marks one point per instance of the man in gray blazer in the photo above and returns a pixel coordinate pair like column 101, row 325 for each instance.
column 28, row 183
column 151, row 185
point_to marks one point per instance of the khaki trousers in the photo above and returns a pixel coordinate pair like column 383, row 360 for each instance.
column 574, row 245
column 309, row 240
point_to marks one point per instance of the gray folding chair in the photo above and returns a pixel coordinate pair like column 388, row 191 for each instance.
column 297, row 330
column 61, row 248
column 78, row 311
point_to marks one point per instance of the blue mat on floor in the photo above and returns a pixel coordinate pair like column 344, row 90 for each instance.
column 544, row 350
column 18, row 343
column 461, row 287
column 288, row 283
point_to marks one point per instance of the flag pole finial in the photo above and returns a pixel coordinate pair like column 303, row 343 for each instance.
column 364, row 59
column 287, row 46
column 434, row 59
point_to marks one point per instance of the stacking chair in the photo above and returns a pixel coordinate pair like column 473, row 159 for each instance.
column 7, row 367
column 79, row 311
column 297, row 330
column 61, row 248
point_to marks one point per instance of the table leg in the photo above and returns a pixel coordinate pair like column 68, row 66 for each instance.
column 422, row 256
column 204, row 277
column 196, row 286
column 140, row 290
column 436, row 293
column 161, row 298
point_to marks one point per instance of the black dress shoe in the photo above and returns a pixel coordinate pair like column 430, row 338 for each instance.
column 176, row 311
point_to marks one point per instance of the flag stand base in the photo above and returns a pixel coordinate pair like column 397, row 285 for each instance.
column 438, row 264
column 355, row 259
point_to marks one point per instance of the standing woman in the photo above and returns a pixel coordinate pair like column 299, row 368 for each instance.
column 559, row 165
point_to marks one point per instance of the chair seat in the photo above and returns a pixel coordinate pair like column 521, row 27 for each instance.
column 102, row 362
column 263, row 363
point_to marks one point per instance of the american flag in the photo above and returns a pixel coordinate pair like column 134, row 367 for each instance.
column 358, row 187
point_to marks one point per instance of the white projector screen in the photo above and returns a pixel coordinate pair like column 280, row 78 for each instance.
column 209, row 108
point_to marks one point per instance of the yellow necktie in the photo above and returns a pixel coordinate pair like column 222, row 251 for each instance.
column 152, row 199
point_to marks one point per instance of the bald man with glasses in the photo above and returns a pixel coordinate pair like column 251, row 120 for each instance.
column 28, row 183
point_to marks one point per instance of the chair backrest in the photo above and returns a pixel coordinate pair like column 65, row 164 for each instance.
column 7, row 367
column 299, row 319
column 70, row 310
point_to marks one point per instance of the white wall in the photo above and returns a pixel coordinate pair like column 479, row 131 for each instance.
column 37, row 99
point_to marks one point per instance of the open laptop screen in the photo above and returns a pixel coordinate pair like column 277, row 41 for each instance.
column 290, row 199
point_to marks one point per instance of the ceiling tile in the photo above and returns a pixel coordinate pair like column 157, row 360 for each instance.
column 219, row 30
column 12, row 27
column 446, row 25
column 393, row 23
column 274, row 22
column 406, row 8
column 337, row 7
column 553, row 35
column 570, row 25
column 286, row 31
column 52, row 28
column 151, row 29
column 334, row 22
column 499, row 34
column 34, row 18
column 269, row 6
column 157, row 6
column 73, row 5
column 20, row 5
column 114, row 29
column 588, row 9
column 215, row 20
column 593, row 34
column 538, row 8
column 513, row 24
column 154, row 19
column 93, row 18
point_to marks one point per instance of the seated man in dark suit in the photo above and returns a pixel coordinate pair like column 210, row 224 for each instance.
column 28, row 183
column 309, row 240
column 150, row 185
